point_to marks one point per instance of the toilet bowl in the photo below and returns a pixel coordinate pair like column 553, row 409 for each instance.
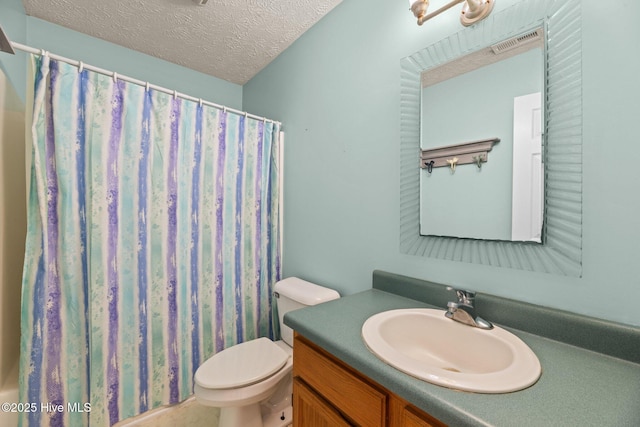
column 239, row 378
column 251, row 382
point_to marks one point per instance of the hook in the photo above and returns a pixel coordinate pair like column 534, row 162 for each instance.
column 478, row 159
column 452, row 163
column 429, row 166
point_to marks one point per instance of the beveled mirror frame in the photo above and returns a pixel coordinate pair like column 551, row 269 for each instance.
column 561, row 251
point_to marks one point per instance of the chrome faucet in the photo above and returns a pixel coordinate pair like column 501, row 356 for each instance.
column 463, row 311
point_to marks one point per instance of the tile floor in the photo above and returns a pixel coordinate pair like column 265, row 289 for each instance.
column 186, row 414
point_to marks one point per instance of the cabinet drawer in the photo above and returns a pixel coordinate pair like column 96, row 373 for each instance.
column 362, row 403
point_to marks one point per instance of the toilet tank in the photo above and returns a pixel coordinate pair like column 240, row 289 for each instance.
column 293, row 293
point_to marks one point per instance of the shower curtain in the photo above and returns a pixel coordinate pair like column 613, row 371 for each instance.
column 152, row 243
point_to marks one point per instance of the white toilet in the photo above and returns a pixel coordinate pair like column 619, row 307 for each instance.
column 251, row 382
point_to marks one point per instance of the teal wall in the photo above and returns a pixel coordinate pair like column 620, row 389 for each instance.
column 71, row 44
column 483, row 105
column 14, row 23
column 337, row 92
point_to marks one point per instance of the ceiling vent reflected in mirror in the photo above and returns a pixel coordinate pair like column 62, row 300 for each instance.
column 516, row 42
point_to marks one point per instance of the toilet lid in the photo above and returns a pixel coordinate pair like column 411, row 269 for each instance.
column 241, row 365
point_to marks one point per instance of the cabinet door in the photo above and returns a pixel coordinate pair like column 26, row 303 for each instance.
column 311, row 410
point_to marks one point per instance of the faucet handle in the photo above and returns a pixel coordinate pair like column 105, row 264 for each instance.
column 464, row 296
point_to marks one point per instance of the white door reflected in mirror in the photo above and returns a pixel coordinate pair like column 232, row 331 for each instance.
column 528, row 179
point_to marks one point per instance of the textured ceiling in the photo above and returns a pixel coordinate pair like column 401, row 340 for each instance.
column 229, row 39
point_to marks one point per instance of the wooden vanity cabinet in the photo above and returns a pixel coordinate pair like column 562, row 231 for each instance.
column 329, row 393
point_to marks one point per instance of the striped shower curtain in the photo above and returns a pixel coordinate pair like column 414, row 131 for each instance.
column 152, row 243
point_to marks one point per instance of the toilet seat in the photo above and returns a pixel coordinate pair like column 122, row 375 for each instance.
column 241, row 365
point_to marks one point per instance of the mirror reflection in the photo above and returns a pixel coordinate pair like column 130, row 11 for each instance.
column 493, row 94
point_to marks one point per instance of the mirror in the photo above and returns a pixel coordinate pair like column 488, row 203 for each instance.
column 561, row 249
column 500, row 194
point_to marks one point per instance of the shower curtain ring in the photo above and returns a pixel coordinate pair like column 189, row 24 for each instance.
column 80, row 66
column 200, row 102
column 115, row 77
column 146, row 87
column 175, row 94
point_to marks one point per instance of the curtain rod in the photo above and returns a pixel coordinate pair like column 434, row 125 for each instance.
column 148, row 85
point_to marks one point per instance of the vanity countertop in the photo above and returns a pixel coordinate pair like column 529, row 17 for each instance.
column 577, row 386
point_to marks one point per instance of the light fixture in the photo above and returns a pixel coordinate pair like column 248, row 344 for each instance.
column 5, row 43
column 472, row 10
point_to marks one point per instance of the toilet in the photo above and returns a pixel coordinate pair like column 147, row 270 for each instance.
column 251, row 382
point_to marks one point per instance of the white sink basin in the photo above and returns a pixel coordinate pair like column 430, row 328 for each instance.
column 425, row 344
